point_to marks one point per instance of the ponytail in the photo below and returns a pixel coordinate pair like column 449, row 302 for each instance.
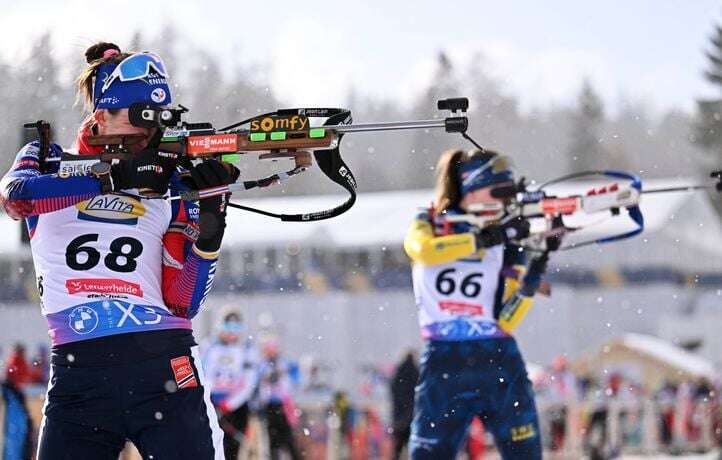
column 446, row 194
column 97, row 55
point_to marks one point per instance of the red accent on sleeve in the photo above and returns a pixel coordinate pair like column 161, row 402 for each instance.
column 177, row 243
column 17, row 209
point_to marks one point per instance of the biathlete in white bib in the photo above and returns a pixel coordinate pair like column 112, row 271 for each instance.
column 120, row 278
column 472, row 288
column 232, row 363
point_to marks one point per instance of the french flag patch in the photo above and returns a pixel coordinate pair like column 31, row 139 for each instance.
column 183, row 371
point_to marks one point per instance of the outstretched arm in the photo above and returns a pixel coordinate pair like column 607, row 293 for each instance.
column 193, row 242
column 25, row 191
column 424, row 248
column 519, row 297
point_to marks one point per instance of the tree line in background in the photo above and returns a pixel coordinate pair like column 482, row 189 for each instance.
column 544, row 143
column 708, row 123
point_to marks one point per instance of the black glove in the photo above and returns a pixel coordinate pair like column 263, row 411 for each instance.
column 533, row 277
column 212, row 218
column 554, row 242
column 517, row 228
column 538, row 266
column 212, row 173
column 491, row 235
column 148, row 169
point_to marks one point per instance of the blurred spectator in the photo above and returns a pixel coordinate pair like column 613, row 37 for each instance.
column 596, row 431
column 562, row 390
column 17, row 370
column 665, row 398
column 278, row 379
column 231, row 366
column 317, row 382
column 374, row 384
column 346, row 414
column 402, row 385
column 683, row 412
column 704, row 391
column 15, row 423
column 368, row 436
column 476, row 440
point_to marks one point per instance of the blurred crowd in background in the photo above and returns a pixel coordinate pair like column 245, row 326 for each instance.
column 294, row 407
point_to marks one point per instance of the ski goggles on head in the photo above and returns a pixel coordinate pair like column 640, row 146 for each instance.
column 139, row 78
column 135, row 67
column 477, row 173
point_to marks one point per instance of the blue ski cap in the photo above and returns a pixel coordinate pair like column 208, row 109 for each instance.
column 482, row 172
column 141, row 77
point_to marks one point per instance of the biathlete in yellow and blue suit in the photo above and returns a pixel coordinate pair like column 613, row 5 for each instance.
column 472, row 287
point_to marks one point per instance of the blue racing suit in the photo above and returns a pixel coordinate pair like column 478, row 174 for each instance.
column 469, row 300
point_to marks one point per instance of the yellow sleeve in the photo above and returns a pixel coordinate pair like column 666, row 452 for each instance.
column 514, row 311
column 511, row 285
column 426, row 249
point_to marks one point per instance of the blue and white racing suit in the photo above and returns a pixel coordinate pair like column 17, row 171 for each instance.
column 119, row 281
column 469, row 300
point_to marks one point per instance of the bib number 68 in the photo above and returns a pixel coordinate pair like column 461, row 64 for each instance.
column 123, row 251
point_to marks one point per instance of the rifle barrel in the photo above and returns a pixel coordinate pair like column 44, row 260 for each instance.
column 684, row 188
column 388, row 126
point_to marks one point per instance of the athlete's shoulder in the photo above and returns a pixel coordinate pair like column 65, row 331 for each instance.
column 31, row 150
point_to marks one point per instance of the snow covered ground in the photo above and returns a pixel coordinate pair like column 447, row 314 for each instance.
column 710, row 456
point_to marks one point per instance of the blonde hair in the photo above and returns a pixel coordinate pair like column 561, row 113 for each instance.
column 447, row 193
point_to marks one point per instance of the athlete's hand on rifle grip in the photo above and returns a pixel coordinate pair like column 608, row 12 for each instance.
column 554, row 242
column 538, row 265
column 494, row 234
column 148, row 169
column 213, row 173
column 212, row 219
column 489, row 236
column 517, row 228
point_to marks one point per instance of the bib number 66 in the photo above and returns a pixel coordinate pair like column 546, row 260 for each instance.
column 446, row 284
column 81, row 256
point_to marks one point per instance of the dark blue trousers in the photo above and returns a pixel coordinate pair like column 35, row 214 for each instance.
column 485, row 378
column 149, row 392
